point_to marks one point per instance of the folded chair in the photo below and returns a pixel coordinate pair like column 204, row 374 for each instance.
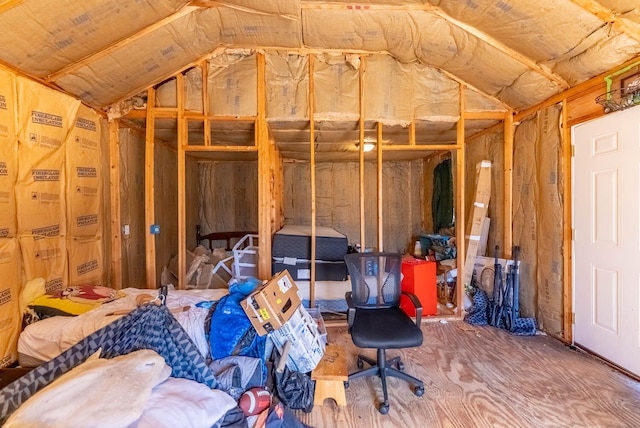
column 376, row 320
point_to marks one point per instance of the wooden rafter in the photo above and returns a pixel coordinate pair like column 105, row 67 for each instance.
column 185, row 10
column 9, row 4
column 609, row 16
column 513, row 54
column 473, row 88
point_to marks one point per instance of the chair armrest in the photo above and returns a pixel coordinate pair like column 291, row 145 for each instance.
column 351, row 312
column 416, row 302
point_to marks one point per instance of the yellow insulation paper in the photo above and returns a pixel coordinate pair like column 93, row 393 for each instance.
column 9, row 300
column 45, row 118
column 84, row 175
column 8, row 155
column 86, row 264
column 45, row 257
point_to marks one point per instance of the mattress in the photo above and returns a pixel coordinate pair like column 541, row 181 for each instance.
column 294, row 241
column 301, row 270
column 329, row 295
column 48, row 338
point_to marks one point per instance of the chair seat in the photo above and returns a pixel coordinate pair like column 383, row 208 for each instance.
column 384, row 328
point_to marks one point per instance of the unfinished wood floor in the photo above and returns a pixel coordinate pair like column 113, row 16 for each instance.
column 484, row 377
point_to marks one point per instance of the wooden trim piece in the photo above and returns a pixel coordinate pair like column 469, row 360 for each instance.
column 486, row 114
column 361, row 71
column 149, row 192
column 379, row 182
column 567, row 215
column 507, row 242
column 114, row 190
column 183, row 138
column 461, row 219
column 185, row 10
column 418, row 147
column 264, row 176
column 135, row 114
column 312, row 166
column 9, row 4
column 193, row 115
column 204, row 67
column 608, row 16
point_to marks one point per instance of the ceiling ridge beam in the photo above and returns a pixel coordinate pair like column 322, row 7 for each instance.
column 608, row 16
column 437, row 11
column 70, row 68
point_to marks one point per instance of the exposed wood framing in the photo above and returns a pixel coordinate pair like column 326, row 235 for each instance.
column 185, row 10
column 114, row 191
column 412, row 133
column 488, row 114
column 473, row 88
column 607, row 15
column 312, row 167
column 149, row 191
column 507, row 242
column 204, row 67
column 9, row 4
column 361, row 71
column 183, row 139
column 567, row 238
column 461, row 219
column 380, row 218
column 264, row 176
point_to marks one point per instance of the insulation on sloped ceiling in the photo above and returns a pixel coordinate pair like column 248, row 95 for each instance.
column 71, row 30
column 233, row 78
column 474, row 101
column 435, row 96
column 388, row 93
column 336, row 87
column 623, row 9
column 145, row 60
column 8, row 154
column 166, row 93
column 410, row 35
column 287, row 86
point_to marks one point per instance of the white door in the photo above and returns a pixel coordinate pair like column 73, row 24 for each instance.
column 606, row 217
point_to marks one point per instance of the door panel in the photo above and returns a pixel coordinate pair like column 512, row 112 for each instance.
column 606, row 218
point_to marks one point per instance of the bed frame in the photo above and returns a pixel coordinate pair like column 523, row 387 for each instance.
column 220, row 236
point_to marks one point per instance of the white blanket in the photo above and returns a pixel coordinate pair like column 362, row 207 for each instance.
column 98, row 392
column 50, row 337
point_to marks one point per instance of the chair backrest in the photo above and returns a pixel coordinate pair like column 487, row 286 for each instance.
column 375, row 279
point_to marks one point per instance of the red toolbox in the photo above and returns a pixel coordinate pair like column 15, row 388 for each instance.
column 419, row 278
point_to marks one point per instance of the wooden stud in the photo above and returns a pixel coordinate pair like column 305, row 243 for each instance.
column 149, row 191
column 379, row 177
column 264, row 175
column 114, row 190
column 507, row 242
column 412, row 133
column 361, row 71
column 204, row 67
column 461, row 219
column 567, row 239
column 419, row 147
column 312, row 166
column 69, row 69
column 183, row 139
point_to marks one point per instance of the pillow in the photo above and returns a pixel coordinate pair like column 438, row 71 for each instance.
column 73, row 300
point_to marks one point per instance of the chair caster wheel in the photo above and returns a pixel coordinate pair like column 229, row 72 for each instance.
column 383, row 408
column 419, row 391
column 346, row 384
column 400, row 366
column 360, row 363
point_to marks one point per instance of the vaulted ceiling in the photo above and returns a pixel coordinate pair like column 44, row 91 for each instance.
column 516, row 52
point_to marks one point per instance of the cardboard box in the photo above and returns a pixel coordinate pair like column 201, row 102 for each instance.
column 273, row 304
column 308, row 340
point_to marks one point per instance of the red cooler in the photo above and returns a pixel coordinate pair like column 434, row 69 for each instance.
column 419, row 278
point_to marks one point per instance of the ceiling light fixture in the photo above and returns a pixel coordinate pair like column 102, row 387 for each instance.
column 369, row 144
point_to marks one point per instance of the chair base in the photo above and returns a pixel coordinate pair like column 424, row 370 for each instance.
column 383, row 368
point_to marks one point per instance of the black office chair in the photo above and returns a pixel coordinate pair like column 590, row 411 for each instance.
column 376, row 320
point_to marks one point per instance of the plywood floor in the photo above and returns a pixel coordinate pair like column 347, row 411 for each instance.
column 484, row 377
